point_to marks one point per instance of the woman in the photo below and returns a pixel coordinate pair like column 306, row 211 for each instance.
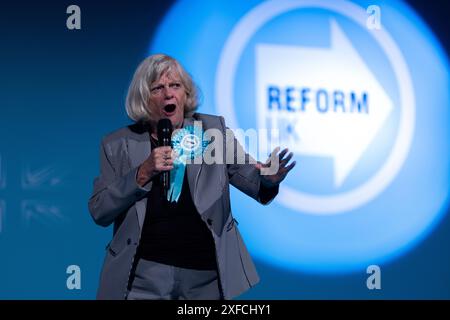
column 186, row 246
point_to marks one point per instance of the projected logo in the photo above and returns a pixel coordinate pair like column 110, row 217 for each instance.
column 345, row 99
column 325, row 102
column 321, row 113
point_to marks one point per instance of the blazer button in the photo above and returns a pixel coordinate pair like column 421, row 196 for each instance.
column 209, row 221
column 128, row 241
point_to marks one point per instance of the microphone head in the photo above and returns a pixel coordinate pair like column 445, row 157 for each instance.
column 164, row 130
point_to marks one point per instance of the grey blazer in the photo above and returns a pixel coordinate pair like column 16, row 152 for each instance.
column 118, row 199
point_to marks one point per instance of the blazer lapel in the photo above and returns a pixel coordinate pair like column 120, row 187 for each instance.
column 139, row 149
column 192, row 170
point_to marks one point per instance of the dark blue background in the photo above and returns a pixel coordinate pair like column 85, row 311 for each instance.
column 61, row 91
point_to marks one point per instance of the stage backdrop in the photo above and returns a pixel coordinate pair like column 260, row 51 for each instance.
column 358, row 90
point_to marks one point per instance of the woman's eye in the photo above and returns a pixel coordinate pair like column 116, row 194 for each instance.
column 156, row 90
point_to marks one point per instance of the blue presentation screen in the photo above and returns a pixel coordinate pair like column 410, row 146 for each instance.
column 357, row 90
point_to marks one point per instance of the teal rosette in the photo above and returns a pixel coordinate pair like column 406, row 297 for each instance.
column 189, row 143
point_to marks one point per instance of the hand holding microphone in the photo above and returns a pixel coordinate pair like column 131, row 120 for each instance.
column 160, row 159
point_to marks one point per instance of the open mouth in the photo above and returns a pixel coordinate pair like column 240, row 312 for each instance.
column 169, row 108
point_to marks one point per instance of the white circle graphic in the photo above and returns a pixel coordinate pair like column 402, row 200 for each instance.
column 288, row 197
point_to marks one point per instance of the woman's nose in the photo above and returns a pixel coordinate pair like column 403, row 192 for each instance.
column 168, row 93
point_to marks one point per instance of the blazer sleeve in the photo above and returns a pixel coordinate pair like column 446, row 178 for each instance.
column 113, row 194
column 246, row 176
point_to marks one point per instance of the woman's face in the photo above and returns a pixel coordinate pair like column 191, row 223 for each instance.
column 167, row 99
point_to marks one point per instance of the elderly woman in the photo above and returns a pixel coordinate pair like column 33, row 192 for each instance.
column 187, row 247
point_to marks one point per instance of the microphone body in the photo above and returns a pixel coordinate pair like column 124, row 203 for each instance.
column 164, row 140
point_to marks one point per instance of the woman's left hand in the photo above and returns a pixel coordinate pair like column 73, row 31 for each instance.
column 276, row 167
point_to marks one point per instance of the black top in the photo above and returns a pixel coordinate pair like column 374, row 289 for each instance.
column 174, row 233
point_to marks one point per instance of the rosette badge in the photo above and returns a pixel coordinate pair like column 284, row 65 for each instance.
column 189, row 143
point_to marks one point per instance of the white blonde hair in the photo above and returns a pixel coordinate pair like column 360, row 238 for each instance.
column 150, row 70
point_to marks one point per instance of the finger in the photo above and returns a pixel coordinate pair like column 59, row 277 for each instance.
column 160, row 152
column 159, row 158
column 283, row 171
column 165, row 162
column 286, row 160
column 168, row 152
column 282, row 153
column 165, row 168
column 168, row 168
column 289, row 167
column 274, row 152
column 272, row 156
column 164, row 149
column 164, row 155
column 171, row 154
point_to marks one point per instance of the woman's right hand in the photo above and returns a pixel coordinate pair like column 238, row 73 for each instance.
column 160, row 159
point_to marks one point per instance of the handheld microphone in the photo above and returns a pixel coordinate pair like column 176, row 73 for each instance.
column 164, row 129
